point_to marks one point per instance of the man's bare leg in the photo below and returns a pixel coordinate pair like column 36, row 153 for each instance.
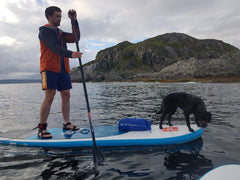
column 46, row 106
column 65, row 94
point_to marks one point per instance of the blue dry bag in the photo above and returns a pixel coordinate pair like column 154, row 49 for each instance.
column 134, row 124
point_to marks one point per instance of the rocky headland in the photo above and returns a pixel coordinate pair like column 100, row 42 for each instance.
column 168, row 57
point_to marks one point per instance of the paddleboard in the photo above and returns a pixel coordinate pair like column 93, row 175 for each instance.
column 229, row 171
column 105, row 136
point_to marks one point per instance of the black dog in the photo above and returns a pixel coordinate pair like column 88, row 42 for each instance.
column 189, row 104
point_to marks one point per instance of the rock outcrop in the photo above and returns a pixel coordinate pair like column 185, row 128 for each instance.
column 167, row 56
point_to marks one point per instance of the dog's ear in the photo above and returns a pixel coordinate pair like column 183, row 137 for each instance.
column 208, row 116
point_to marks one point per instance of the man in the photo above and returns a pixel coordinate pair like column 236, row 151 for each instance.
column 54, row 67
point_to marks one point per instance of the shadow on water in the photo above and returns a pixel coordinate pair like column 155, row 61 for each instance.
column 69, row 168
column 77, row 163
column 188, row 166
column 183, row 160
column 187, row 161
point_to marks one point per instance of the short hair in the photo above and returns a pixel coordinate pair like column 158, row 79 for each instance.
column 50, row 11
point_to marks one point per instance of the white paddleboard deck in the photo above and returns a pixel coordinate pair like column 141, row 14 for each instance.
column 107, row 136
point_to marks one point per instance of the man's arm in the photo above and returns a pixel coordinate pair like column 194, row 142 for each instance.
column 48, row 37
column 70, row 37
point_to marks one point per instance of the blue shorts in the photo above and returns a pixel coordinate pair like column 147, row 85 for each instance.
column 52, row 80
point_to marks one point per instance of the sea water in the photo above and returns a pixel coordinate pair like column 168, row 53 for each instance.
column 109, row 102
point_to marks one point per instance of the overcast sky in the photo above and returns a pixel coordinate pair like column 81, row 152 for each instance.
column 104, row 23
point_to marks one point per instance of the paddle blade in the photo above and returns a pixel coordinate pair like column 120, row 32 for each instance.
column 97, row 156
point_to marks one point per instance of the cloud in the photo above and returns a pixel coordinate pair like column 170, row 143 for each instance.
column 105, row 23
column 7, row 41
column 6, row 14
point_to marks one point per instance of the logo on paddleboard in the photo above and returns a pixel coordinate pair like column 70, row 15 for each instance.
column 170, row 129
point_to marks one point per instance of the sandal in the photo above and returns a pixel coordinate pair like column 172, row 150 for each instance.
column 74, row 128
column 41, row 134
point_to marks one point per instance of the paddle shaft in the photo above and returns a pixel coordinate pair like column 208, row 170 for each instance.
column 98, row 157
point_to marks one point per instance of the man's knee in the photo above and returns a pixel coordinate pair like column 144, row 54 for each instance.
column 49, row 95
column 65, row 95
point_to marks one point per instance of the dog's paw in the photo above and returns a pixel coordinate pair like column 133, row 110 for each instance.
column 160, row 127
column 191, row 130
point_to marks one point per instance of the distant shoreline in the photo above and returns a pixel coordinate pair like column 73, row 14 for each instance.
column 19, row 81
column 200, row 80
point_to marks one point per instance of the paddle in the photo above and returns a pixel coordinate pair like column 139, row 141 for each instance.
column 97, row 155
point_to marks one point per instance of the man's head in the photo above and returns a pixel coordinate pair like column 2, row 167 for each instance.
column 53, row 15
